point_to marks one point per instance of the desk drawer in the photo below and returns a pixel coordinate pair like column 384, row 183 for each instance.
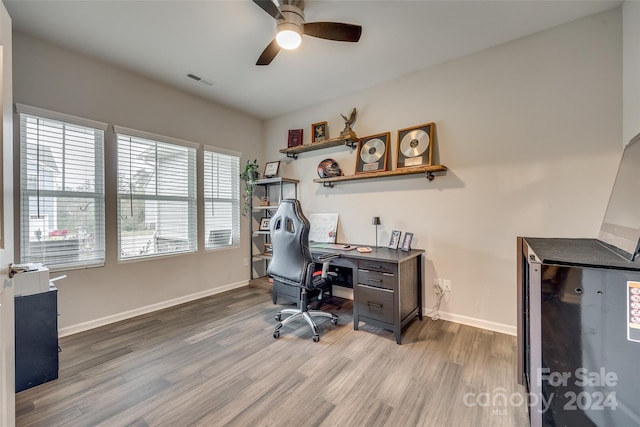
column 375, row 303
column 383, row 267
column 376, row 279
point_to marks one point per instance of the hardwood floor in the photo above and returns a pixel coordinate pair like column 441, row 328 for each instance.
column 214, row 362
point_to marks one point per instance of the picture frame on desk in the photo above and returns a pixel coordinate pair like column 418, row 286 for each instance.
column 406, row 243
column 395, row 239
column 264, row 223
column 295, row 138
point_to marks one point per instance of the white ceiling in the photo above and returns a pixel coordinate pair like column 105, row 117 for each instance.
column 221, row 41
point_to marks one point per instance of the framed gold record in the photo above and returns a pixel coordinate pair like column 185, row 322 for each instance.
column 373, row 152
column 415, row 146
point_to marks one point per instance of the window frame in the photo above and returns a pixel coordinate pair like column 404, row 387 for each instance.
column 192, row 197
column 98, row 195
column 234, row 200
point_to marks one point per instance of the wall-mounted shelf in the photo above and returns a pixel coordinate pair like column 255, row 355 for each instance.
column 276, row 180
column 350, row 141
column 427, row 170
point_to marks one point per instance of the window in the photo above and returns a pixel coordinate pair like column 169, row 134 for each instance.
column 221, row 198
column 156, row 195
column 61, row 189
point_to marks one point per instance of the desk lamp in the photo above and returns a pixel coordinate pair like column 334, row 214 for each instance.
column 376, row 221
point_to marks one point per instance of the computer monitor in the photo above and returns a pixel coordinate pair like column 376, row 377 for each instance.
column 620, row 229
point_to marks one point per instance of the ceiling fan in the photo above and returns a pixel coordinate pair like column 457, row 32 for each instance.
column 290, row 27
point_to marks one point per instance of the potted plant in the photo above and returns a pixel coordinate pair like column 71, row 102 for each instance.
column 249, row 175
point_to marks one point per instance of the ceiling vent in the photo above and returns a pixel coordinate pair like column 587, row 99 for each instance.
column 200, row 79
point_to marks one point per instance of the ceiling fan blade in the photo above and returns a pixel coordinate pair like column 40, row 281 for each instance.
column 333, row 31
column 269, row 7
column 269, row 53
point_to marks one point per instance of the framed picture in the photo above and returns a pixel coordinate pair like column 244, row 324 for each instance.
column 271, row 169
column 319, row 132
column 295, row 138
column 373, row 152
column 267, row 249
column 264, row 224
column 395, row 239
column 406, row 243
column 415, row 146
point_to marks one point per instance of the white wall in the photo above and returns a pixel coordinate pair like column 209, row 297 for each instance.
column 631, row 69
column 530, row 131
column 49, row 77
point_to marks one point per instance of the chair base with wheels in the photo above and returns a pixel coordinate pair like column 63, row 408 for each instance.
column 304, row 313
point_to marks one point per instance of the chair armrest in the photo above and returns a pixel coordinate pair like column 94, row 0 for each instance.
column 325, row 259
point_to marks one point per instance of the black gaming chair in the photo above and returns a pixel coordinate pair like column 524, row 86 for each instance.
column 292, row 264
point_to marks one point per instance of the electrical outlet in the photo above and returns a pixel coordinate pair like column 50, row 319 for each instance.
column 447, row 285
column 437, row 285
column 246, row 262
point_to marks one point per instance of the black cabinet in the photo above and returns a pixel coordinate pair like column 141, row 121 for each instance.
column 36, row 338
column 578, row 341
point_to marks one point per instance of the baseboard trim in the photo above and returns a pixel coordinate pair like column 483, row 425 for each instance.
column 103, row 321
column 85, row 326
column 478, row 323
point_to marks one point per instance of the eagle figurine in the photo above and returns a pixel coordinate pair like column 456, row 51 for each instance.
column 348, row 122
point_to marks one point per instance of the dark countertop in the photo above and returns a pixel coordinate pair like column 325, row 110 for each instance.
column 579, row 252
column 381, row 254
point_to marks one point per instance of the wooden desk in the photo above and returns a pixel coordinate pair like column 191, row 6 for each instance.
column 387, row 286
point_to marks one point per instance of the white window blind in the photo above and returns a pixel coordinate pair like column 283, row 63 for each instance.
column 221, row 199
column 156, row 196
column 61, row 189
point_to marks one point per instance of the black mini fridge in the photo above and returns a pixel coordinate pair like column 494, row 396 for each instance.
column 578, row 333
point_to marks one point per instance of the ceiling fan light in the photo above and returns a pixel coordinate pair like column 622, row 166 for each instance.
column 288, row 39
column 288, row 36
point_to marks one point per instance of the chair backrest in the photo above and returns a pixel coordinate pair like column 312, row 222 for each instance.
column 291, row 260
